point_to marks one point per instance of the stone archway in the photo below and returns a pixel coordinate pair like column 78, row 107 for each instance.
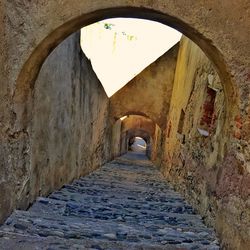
column 128, row 113
column 137, row 125
column 77, row 18
column 53, row 35
column 22, row 97
column 40, row 27
column 131, row 134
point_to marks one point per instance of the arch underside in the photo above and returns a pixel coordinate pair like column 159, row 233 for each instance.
column 28, row 74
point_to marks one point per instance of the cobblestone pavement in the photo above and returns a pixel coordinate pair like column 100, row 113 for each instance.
column 126, row 204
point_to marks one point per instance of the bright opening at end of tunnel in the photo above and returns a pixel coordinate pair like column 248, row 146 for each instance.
column 120, row 48
column 139, row 145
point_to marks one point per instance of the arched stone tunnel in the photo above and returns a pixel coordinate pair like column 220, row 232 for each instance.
column 192, row 104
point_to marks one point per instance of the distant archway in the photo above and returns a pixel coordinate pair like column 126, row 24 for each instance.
column 133, row 126
column 138, row 144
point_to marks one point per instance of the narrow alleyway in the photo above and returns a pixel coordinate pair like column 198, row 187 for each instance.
column 126, row 204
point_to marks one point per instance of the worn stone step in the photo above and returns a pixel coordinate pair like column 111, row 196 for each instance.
column 120, row 207
column 27, row 223
column 14, row 241
column 107, row 190
column 132, row 191
column 159, row 202
column 140, row 182
column 135, row 195
column 10, row 241
column 124, row 214
column 138, row 185
column 124, row 171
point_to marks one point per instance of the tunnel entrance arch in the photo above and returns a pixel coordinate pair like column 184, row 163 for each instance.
column 29, row 72
column 53, row 35
column 131, row 126
column 22, row 97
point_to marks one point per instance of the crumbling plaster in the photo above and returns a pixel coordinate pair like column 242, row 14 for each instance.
column 214, row 178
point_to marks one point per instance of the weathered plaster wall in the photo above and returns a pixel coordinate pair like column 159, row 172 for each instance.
column 157, row 147
column 116, row 139
column 153, row 84
column 194, row 148
column 5, row 165
column 124, row 143
column 69, row 134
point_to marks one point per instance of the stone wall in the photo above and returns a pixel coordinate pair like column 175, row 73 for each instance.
column 156, row 147
column 116, row 139
column 69, row 134
column 153, row 84
column 195, row 158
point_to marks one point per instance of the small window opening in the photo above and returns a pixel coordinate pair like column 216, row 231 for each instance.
column 180, row 134
column 181, row 122
column 208, row 117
